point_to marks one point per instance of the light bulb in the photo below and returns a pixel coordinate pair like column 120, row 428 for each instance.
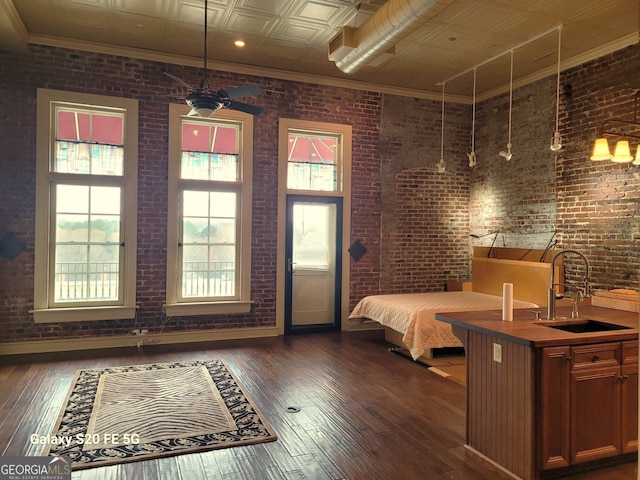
column 556, row 142
column 473, row 161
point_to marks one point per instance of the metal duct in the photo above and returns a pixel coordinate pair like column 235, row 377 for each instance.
column 391, row 23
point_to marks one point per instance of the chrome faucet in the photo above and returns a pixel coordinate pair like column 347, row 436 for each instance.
column 551, row 297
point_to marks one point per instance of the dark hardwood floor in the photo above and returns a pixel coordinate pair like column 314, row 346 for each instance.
column 365, row 413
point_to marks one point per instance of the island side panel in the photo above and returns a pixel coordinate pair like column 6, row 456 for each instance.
column 500, row 422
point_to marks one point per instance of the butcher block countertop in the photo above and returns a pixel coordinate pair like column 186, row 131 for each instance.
column 525, row 330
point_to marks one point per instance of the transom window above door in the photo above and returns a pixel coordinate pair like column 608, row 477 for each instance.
column 313, row 161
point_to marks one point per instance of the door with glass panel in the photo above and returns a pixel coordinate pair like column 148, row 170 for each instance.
column 314, row 263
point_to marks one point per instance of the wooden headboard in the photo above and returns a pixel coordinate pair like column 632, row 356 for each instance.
column 531, row 279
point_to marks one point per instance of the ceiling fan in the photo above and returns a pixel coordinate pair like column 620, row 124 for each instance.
column 204, row 101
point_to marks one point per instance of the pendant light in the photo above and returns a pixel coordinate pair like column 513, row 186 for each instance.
column 473, row 161
column 440, row 164
column 507, row 155
column 556, row 141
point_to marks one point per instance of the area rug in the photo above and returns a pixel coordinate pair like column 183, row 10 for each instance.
column 123, row 414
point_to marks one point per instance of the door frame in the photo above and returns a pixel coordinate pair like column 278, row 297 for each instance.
column 345, row 132
column 289, row 328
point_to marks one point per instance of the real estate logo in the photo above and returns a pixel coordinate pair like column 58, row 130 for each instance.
column 35, row 468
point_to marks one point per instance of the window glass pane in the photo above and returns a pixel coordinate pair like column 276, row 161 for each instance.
column 72, row 228
column 195, row 204
column 73, row 126
column 88, row 143
column 87, row 245
column 107, row 129
column 209, row 138
column 209, row 151
column 72, row 199
column 209, row 166
column 105, row 228
column 222, row 231
column 223, row 204
column 209, row 244
column 312, row 162
column 312, row 235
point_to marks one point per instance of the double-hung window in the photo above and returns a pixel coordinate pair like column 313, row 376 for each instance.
column 86, row 215
column 209, row 250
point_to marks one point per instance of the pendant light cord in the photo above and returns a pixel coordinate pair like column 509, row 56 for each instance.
column 473, row 115
column 558, row 80
column 510, row 98
column 442, row 136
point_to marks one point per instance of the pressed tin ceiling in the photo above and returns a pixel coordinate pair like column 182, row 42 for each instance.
column 289, row 38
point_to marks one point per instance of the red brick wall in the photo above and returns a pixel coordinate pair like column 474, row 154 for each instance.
column 414, row 221
column 55, row 68
column 425, row 214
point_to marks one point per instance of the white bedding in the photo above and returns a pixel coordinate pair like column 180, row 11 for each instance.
column 413, row 315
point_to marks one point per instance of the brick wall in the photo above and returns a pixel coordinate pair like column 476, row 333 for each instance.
column 62, row 69
column 593, row 206
column 414, row 221
column 425, row 214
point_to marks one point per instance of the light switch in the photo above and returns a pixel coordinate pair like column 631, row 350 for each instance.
column 497, row 352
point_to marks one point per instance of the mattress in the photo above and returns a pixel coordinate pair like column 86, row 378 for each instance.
column 413, row 315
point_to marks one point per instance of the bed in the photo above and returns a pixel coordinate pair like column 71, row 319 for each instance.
column 409, row 318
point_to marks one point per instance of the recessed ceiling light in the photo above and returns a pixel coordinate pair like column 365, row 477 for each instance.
column 239, row 43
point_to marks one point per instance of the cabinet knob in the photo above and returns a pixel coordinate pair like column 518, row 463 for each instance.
column 595, row 358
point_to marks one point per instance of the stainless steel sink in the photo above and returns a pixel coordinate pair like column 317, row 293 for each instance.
column 584, row 326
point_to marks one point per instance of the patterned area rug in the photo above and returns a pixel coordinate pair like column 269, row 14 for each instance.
column 124, row 414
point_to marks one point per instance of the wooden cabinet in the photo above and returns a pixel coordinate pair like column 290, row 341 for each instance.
column 588, row 402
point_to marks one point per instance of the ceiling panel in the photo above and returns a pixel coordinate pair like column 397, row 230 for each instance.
column 293, row 36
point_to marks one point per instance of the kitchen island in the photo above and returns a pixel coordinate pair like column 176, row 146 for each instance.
column 551, row 397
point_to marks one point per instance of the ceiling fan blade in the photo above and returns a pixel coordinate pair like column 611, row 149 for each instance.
column 180, row 81
column 244, row 91
column 244, row 107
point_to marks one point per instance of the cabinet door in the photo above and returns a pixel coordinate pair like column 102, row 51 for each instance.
column 595, row 413
column 554, row 409
column 629, row 387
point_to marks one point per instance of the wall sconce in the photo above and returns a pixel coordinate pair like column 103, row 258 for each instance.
column 623, row 130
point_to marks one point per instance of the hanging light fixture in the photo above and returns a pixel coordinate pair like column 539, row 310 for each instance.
column 623, row 130
column 556, row 141
column 507, row 155
column 441, row 164
column 473, row 161
column 622, row 153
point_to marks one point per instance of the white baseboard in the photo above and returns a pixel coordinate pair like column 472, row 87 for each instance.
column 93, row 343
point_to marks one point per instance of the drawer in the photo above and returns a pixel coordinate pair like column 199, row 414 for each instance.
column 629, row 352
column 598, row 354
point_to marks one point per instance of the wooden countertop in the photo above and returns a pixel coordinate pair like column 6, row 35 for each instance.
column 525, row 330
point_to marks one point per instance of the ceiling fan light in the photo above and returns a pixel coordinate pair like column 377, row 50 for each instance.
column 601, row 150
column 622, row 153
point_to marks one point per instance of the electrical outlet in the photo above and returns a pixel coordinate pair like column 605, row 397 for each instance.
column 497, row 353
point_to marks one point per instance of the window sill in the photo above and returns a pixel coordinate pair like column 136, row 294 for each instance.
column 80, row 314
column 206, row 308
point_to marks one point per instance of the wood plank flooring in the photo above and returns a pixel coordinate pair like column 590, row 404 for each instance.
column 365, row 413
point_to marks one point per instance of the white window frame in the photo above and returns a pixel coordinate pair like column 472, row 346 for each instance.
column 241, row 303
column 44, row 310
